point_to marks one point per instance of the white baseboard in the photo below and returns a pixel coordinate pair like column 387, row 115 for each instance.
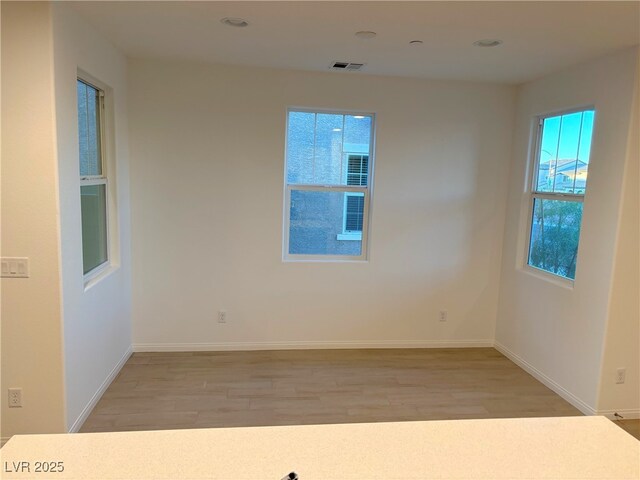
column 632, row 414
column 541, row 377
column 306, row 345
column 96, row 396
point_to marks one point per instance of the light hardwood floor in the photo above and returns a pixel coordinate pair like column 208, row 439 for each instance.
column 227, row 389
column 630, row 426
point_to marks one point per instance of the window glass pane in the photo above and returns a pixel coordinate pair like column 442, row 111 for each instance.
column 357, row 133
column 328, row 154
column 318, row 146
column 584, row 152
column 93, row 202
column 317, row 219
column 83, row 137
column 555, row 231
column 565, row 165
column 300, row 142
column 564, row 153
column 89, row 129
column 548, row 153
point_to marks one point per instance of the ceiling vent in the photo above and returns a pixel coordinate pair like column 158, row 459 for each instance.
column 346, row 66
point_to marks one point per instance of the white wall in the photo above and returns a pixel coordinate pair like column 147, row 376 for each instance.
column 97, row 319
column 558, row 331
column 207, row 161
column 31, row 307
column 622, row 347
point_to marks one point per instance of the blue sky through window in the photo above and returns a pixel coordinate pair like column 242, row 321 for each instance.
column 565, row 149
column 575, row 132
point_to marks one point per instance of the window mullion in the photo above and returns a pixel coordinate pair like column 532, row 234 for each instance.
column 538, row 152
column 101, row 136
column 575, row 170
column 86, row 100
column 555, row 168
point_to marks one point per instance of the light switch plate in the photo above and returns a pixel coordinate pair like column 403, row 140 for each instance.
column 15, row 267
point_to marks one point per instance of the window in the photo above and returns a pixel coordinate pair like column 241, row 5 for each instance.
column 328, row 185
column 354, row 213
column 357, row 171
column 559, row 185
column 93, row 178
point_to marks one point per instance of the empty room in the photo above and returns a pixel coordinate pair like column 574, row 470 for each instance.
column 256, row 239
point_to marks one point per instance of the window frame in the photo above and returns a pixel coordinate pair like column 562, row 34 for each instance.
column 534, row 193
column 102, row 179
column 367, row 190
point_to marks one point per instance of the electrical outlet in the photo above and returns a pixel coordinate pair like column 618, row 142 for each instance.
column 621, row 375
column 443, row 315
column 15, row 397
column 222, row 316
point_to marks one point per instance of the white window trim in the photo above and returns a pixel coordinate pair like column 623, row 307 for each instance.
column 367, row 190
column 94, row 276
column 533, row 193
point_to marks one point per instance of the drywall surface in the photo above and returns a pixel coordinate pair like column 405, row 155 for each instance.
column 97, row 318
column 622, row 347
column 31, row 307
column 207, row 173
column 559, row 330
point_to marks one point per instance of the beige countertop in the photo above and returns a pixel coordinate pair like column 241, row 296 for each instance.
column 558, row 448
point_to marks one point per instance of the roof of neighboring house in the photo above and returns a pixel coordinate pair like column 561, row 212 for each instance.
column 571, row 167
column 563, row 165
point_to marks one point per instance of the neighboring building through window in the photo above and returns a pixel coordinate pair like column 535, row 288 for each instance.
column 357, row 172
column 559, row 185
column 93, row 178
column 328, row 181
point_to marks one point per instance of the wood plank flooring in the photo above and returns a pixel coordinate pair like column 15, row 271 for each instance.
column 294, row 387
column 631, row 426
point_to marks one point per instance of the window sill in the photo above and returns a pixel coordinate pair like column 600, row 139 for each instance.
column 548, row 277
column 323, row 259
column 349, row 236
column 95, row 277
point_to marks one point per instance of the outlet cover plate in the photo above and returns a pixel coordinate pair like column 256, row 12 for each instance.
column 14, row 267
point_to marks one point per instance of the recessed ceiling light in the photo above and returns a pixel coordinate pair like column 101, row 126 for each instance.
column 337, row 129
column 416, row 42
column 490, row 42
column 234, row 21
column 366, row 34
column 359, row 117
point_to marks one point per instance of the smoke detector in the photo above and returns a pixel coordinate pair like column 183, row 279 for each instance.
column 346, row 66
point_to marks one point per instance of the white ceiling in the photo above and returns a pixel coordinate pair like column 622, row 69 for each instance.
column 539, row 37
